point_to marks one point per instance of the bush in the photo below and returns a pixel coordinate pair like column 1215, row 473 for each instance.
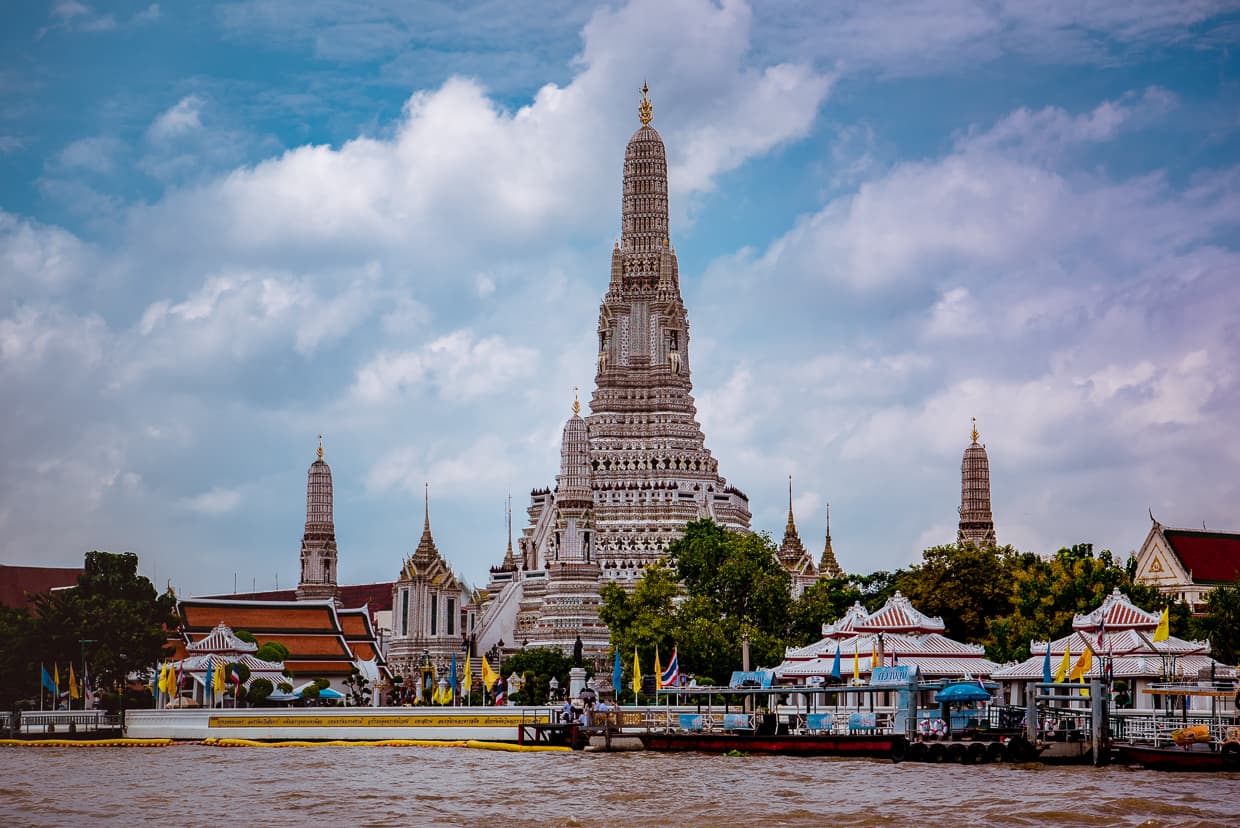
column 284, row 687
column 246, row 636
column 310, row 692
column 259, row 690
column 273, row 651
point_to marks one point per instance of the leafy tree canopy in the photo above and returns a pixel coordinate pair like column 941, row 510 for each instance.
column 1221, row 623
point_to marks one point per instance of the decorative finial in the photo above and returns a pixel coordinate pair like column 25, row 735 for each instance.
column 320, row 446
column 974, row 434
column 426, row 519
column 645, row 111
column 828, row 521
column 576, row 403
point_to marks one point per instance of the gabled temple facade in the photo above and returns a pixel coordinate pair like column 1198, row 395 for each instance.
column 1188, row 563
column 645, row 471
column 432, row 611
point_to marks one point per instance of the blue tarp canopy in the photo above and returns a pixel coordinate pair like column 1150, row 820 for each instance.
column 962, row 693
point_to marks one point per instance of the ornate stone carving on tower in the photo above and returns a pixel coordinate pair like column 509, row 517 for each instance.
column 828, row 566
column 647, row 471
column 571, row 598
column 318, row 542
column 650, row 470
column 976, row 522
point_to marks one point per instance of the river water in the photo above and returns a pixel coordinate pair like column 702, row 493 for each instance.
column 199, row 785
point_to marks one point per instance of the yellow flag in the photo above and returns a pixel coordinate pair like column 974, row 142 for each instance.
column 56, row 676
column 658, row 670
column 637, row 674
column 467, row 681
column 1062, row 672
column 218, row 678
column 73, row 688
column 856, row 663
column 1082, row 665
column 489, row 676
column 1163, row 632
column 873, row 656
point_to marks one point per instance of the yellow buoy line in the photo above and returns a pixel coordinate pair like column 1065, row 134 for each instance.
column 85, row 742
column 466, row 743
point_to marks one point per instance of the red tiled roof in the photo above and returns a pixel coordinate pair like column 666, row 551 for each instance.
column 377, row 597
column 1211, row 557
column 17, row 581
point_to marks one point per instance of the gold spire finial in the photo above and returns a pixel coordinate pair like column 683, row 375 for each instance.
column 576, row 403
column 645, row 111
column 974, row 434
column 320, row 446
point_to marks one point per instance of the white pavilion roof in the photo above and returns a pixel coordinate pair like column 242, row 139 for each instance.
column 1149, row 665
column 1119, row 613
column 221, row 640
column 917, row 639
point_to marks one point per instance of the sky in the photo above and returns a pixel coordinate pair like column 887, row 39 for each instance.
column 227, row 228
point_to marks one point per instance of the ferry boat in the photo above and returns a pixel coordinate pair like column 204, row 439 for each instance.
column 1187, row 742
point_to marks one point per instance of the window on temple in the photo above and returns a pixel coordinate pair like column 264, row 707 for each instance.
column 404, row 612
column 434, row 614
column 451, row 617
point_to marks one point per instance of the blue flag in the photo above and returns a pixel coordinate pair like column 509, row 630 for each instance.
column 616, row 673
column 48, row 684
column 208, row 687
column 452, row 675
column 835, row 668
column 1046, row 665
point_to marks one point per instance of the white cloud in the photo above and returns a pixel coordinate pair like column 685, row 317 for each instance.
column 459, row 365
column 217, row 501
column 185, row 116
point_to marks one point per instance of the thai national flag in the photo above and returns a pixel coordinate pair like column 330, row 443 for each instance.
column 671, row 675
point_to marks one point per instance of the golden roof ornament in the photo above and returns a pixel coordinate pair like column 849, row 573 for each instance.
column 975, row 434
column 576, row 403
column 645, row 110
column 320, row 446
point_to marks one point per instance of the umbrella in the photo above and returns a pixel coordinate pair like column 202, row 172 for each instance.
column 329, row 693
column 961, row 693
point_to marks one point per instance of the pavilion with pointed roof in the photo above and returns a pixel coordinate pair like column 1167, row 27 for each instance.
column 895, row 634
column 1123, row 633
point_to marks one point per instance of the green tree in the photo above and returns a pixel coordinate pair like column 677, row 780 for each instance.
column 824, row 602
column 246, row 636
column 1220, row 624
column 117, row 610
column 536, row 666
column 1046, row 593
column 964, row 584
column 644, row 619
column 17, row 678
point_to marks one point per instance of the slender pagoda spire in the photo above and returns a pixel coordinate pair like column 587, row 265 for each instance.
column 318, row 541
column 791, row 551
column 977, row 524
column 828, row 566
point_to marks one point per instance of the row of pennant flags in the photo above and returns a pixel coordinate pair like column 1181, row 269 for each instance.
column 77, row 690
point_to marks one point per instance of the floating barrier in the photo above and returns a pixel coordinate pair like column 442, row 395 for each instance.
column 465, row 743
column 85, row 742
column 1016, row 750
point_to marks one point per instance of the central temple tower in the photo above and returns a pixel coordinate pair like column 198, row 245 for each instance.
column 650, row 470
column 639, row 467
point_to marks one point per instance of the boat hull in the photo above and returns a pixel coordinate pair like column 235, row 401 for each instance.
column 1181, row 759
column 794, row 745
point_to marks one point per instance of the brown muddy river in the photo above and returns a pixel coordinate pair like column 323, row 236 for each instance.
column 197, row 785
